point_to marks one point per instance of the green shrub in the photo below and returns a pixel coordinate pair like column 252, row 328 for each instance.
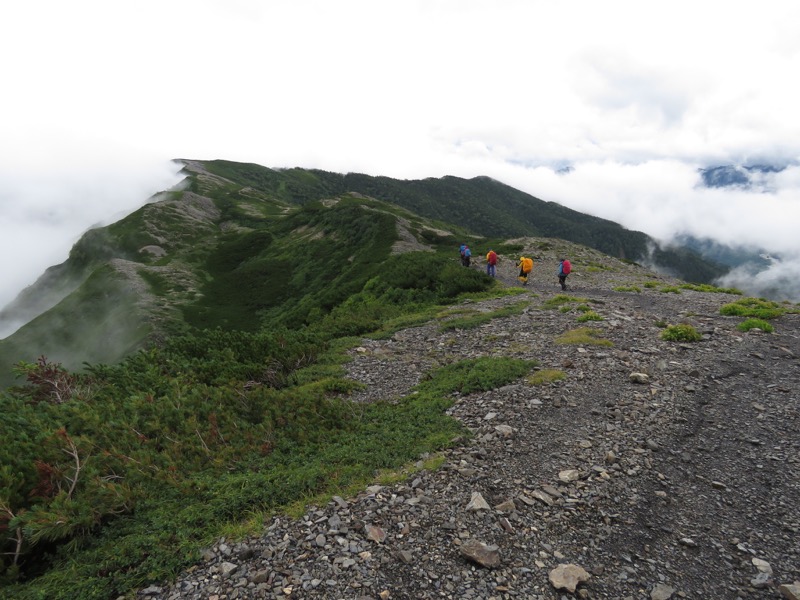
column 753, row 307
column 705, row 287
column 475, row 375
column 755, row 324
column 589, row 316
column 681, row 333
column 545, row 376
column 585, row 336
column 477, row 319
column 184, row 440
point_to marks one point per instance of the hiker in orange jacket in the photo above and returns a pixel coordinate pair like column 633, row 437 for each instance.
column 525, row 267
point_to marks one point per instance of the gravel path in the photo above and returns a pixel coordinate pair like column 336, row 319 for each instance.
column 680, row 482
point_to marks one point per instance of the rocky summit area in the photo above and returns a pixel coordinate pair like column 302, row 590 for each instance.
column 652, row 470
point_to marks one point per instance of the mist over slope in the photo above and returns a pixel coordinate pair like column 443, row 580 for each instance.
column 241, row 245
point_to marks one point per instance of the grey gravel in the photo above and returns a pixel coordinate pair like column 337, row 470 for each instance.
column 666, row 486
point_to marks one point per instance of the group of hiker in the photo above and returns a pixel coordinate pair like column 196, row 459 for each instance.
column 525, row 266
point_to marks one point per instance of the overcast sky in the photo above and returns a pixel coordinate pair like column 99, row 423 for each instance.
column 98, row 96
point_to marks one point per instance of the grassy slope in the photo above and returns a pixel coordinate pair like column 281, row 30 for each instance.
column 99, row 322
column 482, row 205
column 235, row 257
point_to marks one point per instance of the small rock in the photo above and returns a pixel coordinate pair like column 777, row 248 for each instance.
column 639, row 378
column 150, row 591
column 568, row 577
column 507, row 506
column 661, row 592
column 569, row 475
column 761, row 581
column 790, row 591
column 261, row 576
column 542, row 497
column 375, row 533
column 762, row 566
column 505, row 524
column 483, row 554
column 549, row 489
column 477, row 502
column 505, row 430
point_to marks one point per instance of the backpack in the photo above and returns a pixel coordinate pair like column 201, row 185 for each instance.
column 566, row 267
column 527, row 265
column 491, row 258
column 467, row 252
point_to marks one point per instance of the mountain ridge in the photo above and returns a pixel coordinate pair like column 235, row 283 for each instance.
column 305, row 353
column 160, row 251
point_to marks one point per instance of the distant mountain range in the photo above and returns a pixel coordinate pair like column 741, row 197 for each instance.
column 730, row 256
column 746, row 176
column 238, row 246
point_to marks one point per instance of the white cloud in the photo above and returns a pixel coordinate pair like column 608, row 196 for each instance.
column 780, row 281
column 47, row 204
column 98, row 96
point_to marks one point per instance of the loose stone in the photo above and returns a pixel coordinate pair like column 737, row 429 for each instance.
column 568, row 577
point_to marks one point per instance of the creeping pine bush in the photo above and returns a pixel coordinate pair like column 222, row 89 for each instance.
column 752, row 307
column 589, row 316
column 584, row 336
column 545, row 376
column 704, row 287
column 681, row 333
column 749, row 324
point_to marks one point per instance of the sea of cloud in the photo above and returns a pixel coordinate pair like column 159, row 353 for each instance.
column 46, row 206
column 667, row 199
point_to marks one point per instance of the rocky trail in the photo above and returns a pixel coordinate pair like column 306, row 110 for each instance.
column 652, row 470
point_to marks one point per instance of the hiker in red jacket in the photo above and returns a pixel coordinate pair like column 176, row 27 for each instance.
column 491, row 263
column 564, row 269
